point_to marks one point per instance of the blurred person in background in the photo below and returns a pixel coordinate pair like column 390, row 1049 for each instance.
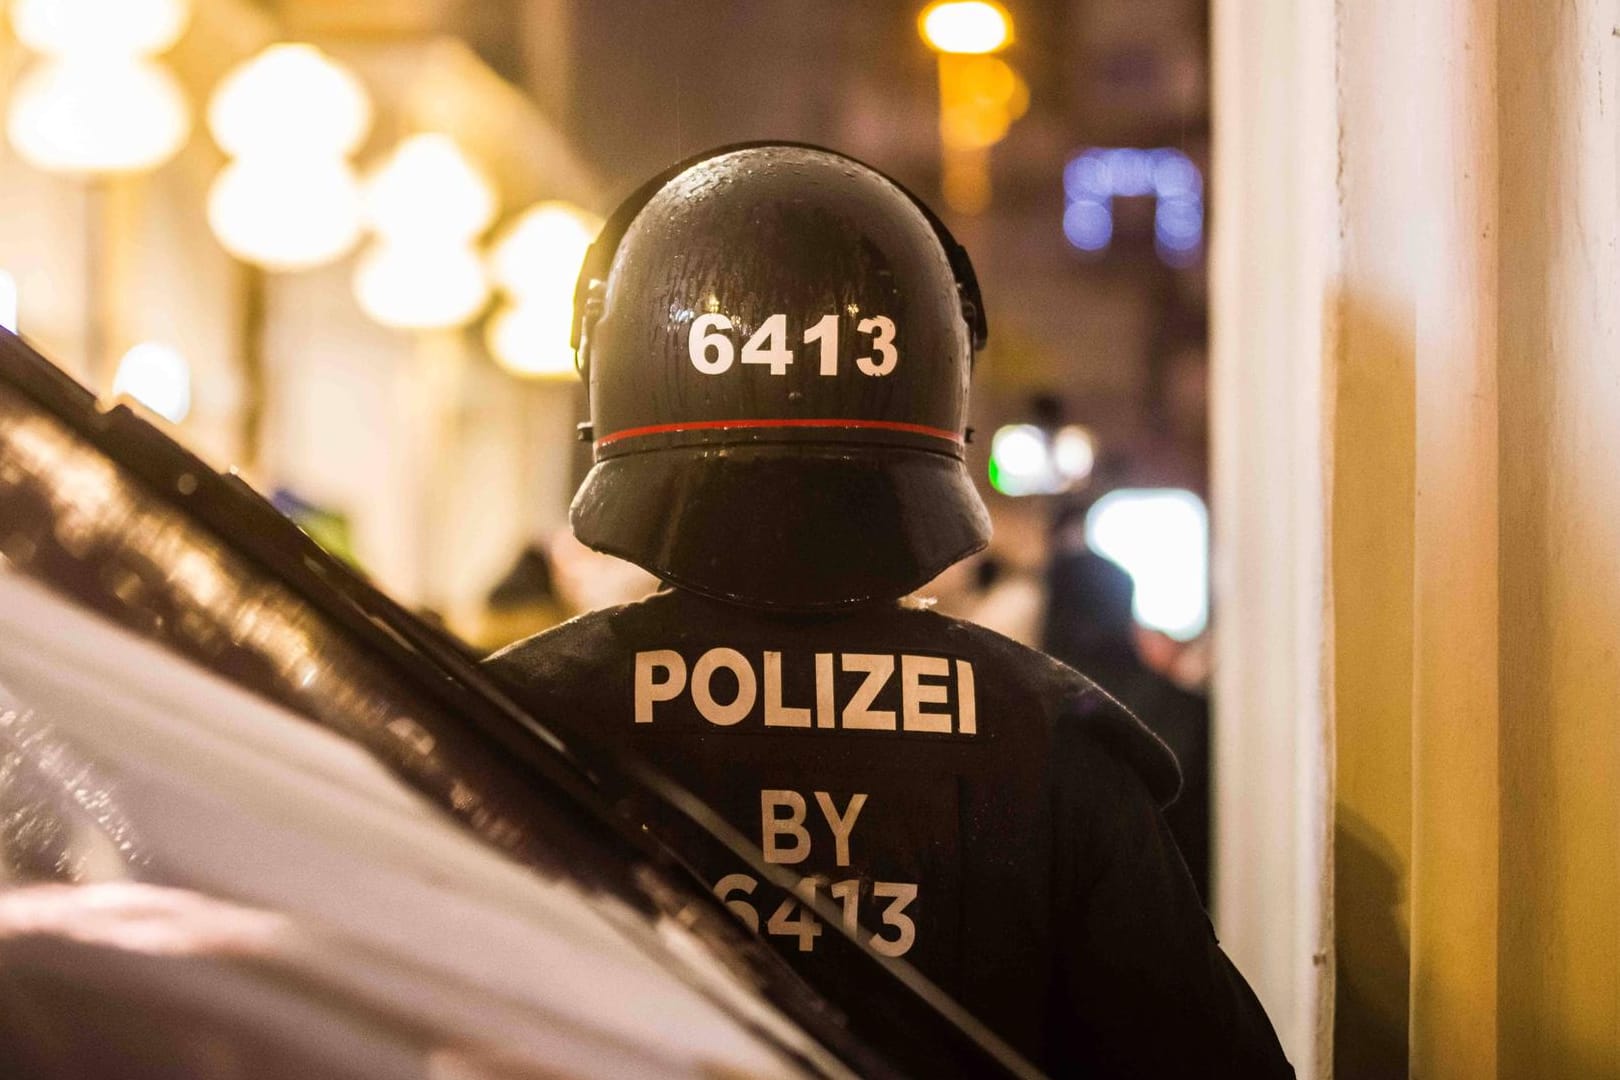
column 1089, row 626
column 1004, row 589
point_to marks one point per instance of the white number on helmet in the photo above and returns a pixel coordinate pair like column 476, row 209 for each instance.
column 701, row 342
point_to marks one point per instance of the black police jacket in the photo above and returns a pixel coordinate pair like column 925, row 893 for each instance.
column 977, row 808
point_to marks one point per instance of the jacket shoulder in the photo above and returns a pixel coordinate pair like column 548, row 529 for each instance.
column 1085, row 717
column 561, row 653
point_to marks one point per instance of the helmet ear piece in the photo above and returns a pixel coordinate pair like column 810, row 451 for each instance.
column 587, row 310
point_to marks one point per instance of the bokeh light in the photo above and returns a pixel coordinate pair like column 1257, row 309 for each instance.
column 98, row 115
column 1074, row 452
column 291, row 99
column 531, row 339
column 429, row 287
column 1088, row 224
column 1160, row 536
column 116, row 28
column 158, row 377
column 8, row 301
column 429, row 188
column 286, row 213
column 1021, row 461
column 966, row 26
column 1093, row 178
column 538, row 256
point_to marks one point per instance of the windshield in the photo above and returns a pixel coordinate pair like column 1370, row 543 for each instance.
column 213, row 787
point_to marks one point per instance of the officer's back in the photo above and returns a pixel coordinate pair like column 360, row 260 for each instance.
column 778, row 342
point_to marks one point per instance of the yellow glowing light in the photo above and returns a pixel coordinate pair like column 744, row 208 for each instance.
column 538, row 256
column 158, row 377
column 286, row 214
column 290, row 99
column 428, row 188
column 966, row 26
column 531, row 339
column 98, row 115
column 421, row 285
column 979, row 98
column 123, row 28
column 8, row 301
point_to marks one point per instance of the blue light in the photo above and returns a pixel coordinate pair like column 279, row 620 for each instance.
column 1088, row 224
column 1174, row 174
column 1130, row 171
column 1093, row 178
column 1178, row 222
column 1178, row 228
column 1086, row 176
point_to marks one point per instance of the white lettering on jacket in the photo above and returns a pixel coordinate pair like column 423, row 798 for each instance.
column 936, row 697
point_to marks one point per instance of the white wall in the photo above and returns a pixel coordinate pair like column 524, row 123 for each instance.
column 1272, row 252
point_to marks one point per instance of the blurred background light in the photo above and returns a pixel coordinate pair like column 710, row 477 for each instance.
column 980, row 97
column 1178, row 228
column 536, row 261
column 1086, row 176
column 531, row 339
column 286, row 213
column 1074, row 452
column 965, row 26
column 121, row 28
column 1130, row 171
column 421, row 285
column 429, row 188
column 1175, row 174
column 98, row 115
column 1093, row 178
column 8, row 301
column 290, row 99
column 1160, row 536
column 1021, row 461
column 538, row 256
column 158, row 377
column 1088, row 224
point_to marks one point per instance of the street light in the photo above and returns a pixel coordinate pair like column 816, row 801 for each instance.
column 8, row 301
column 158, row 377
column 428, row 187
column 285, row 214
column 410, row 285
column 530, row 339
column 979, row 95
column 100, row 27
column 290, row 99
column 535, row 262
column 98, row 115
column 97, row 106
column 540, row 253
column 428, row 203
column 290, row 117
column 969, row 27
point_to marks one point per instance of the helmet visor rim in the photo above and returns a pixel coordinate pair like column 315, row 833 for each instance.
column 785, row 527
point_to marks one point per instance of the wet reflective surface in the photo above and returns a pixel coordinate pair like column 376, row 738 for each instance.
column 213, row 755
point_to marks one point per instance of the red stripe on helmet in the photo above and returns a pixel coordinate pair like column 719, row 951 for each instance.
column 794, row 422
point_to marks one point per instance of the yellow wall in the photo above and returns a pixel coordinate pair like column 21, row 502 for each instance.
column 1559, row 439
column 1469, row 437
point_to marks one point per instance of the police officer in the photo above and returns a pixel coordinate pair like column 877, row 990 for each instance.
column 778, row 342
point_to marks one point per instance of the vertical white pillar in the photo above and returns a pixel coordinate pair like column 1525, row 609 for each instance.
column 1272, row 258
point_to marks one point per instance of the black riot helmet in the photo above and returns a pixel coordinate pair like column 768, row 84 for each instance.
column 778, row 341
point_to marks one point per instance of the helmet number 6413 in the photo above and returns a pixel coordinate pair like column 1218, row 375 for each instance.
column 712, row 350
